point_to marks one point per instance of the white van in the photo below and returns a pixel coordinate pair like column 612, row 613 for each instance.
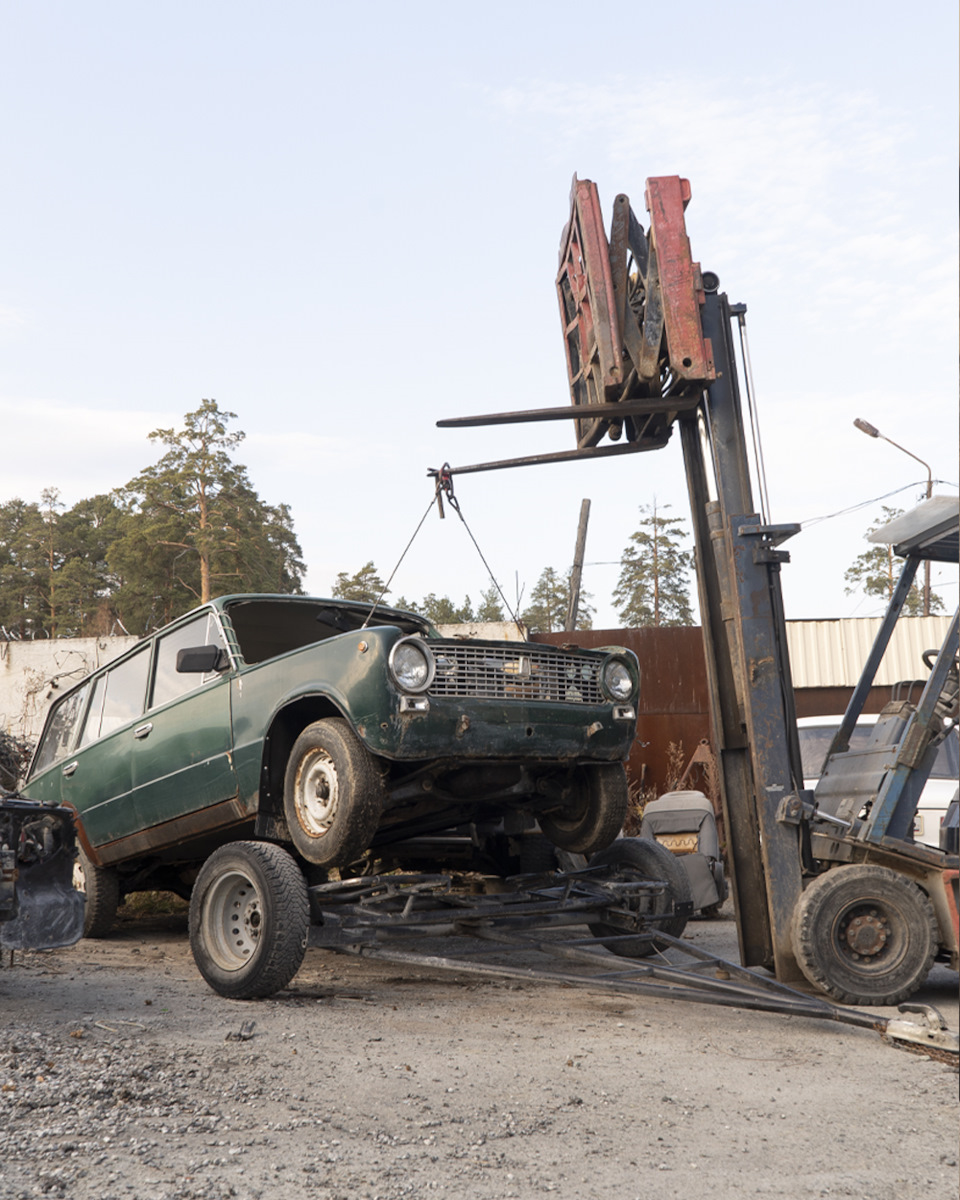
column 816, row 734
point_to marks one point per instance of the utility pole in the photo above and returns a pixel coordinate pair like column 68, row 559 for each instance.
column 577, row 572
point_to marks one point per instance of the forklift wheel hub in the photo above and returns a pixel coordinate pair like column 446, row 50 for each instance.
column 866, row 935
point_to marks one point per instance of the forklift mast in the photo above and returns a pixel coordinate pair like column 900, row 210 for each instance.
column 649, row 348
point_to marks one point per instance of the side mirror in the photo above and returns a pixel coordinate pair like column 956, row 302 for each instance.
column 201, row 660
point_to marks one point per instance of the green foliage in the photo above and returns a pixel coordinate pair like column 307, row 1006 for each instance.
column 15, row 755
column 549, row 602
column 181, row 530
column 441, row 610
column 490, row 608
column 366, row 585
column 652, row 588
column 875, row 573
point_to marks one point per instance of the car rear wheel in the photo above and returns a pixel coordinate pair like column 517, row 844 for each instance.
column 595, row 813
column 249, row 920
column 332, row 794
column 865, row 934
column 100, row 888
column 646, row 859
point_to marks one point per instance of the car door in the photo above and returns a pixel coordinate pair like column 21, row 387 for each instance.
column 97, row 778
column 182, row 766
column 56, row 742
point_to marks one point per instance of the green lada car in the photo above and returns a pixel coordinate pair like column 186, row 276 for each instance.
column 291, row 735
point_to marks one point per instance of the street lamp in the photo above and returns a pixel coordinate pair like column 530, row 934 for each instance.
column 874, row 432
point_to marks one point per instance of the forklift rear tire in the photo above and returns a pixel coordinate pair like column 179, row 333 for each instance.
column 649, row 859
column 865, row 935
column 596, row 813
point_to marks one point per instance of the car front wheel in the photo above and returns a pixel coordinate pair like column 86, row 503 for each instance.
column 332, row 794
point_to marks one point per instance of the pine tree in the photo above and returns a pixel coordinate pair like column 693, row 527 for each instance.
column 193, row 523
column 490, row 608
column 652, row 588
column 365, row 586
column 141, row 556
column 875, row 573
column 550, row 601
column 441, row 610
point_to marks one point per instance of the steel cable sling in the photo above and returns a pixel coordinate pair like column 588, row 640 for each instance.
column 444, row 487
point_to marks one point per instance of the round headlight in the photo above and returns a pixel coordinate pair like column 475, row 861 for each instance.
column 412, row 665
column 616, row 680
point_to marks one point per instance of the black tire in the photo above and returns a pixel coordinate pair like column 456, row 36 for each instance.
column 648, row 859
column 595, row 815
column 100, row 887
column 332, row 794
column 537, row 854
column 249, row 920
column 865, row 935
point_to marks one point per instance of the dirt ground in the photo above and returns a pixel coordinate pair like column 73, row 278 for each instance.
column 123, row 1076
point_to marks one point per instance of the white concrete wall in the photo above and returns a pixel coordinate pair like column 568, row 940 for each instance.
column 32, row 675
column 488, row 631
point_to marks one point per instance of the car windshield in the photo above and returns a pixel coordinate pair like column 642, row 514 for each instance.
column 815, row 742
column 266, row 628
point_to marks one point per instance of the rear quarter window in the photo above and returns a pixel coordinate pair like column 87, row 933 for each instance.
column 61, row 729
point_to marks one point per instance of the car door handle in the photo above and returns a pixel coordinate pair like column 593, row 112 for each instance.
column 142, row 731
column 70, row 768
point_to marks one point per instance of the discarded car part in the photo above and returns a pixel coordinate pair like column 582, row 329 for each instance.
column 929, row 1035
column 249, row 918
column 865, row 934
column 333, row 794
column 595, row 812
column 684, row 823
column 100, row 889
column 333, row 728
column 642, row 857
column 39, row 908
column 374, row 917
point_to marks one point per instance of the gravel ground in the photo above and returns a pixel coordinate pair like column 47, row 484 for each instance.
column 122, row 1076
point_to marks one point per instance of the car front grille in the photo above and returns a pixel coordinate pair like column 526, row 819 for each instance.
column 522, row 674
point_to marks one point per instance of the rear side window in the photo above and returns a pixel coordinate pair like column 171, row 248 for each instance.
column 125, row 694
column 168, row 684
column 61, row 728
column 91, row 726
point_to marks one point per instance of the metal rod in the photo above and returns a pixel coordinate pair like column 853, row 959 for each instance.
column 578, row 412
column 537, row 460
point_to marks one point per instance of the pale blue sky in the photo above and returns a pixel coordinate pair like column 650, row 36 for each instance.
column 342, row 223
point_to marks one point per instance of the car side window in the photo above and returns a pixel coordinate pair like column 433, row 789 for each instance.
column 91, row 726
column 126, row 692
column 168, row 683
column 58, row 739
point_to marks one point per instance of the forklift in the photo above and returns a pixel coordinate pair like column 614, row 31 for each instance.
column 828, row 884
